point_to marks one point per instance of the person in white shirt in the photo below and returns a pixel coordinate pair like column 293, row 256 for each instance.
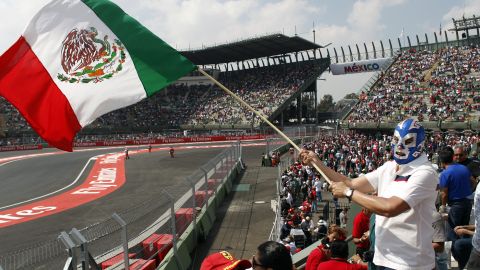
column 343, row 218
column 474, row 260
column 406, row 190
column 473, row 244
column 318, row 188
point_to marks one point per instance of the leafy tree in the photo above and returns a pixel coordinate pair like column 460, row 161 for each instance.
column 326, row 104
column 351, row 96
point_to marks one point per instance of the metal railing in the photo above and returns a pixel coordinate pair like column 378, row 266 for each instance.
column 154, row 216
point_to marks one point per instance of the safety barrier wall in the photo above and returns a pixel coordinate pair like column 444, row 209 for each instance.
column 169, row 140
column 20, row 147
column 151, row 229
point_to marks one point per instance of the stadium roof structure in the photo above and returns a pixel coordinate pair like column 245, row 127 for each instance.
column 253, row 48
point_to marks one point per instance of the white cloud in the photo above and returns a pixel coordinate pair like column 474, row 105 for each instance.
column 14, row 16
column 197, row 22
column 364, row 23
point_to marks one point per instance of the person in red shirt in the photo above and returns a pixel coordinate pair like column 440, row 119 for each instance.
column 172, row 151
column 361, row 224
column 338, row 258
column 322, row 252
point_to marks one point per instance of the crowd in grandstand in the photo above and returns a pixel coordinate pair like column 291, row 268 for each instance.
column 353, row 154
column 428, row 85
column 263, row 88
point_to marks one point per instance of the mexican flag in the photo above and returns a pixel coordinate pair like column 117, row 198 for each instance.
column 78, row 60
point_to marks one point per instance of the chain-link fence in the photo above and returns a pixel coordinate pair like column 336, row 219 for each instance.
column 150, row 228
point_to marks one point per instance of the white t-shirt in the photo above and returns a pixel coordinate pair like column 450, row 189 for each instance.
column 318, row 185
column 405, row 241
column 476, row 207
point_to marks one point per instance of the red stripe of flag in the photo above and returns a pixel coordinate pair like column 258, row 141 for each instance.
column 26, row 84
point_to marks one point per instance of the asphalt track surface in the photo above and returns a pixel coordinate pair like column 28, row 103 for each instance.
column 146, row 176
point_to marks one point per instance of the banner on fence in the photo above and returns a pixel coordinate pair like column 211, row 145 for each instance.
column 19, row 147
column 170, row 140
column 358, row 66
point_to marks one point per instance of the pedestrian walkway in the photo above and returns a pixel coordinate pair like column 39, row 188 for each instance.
column 245, row 218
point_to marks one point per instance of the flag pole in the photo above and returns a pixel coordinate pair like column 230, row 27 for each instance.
column 262, row 116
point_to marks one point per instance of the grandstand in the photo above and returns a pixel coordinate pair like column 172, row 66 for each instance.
column 270, row 73
column 438, row 84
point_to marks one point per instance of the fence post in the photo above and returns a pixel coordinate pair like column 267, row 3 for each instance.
column 68, row 243
column 173, row 225
column 194, row 205
column 205, row 173
column 80, row 240
column 206, row 185
column 123, row 224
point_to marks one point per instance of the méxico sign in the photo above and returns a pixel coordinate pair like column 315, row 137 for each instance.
column 358, row 67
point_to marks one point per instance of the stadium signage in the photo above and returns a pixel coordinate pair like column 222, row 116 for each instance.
column 20, row 147
column 358, row 67
column 171, row 140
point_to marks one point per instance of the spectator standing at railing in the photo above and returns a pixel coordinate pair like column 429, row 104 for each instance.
column 360, row 231
column 322, row 252
column 455, row 189
column 343, row 218
column 406, row 199
column 318, row 184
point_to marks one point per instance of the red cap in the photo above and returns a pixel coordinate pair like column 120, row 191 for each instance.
column 224, row 261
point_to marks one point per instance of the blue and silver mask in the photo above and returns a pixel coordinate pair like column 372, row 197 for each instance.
column 407, row 142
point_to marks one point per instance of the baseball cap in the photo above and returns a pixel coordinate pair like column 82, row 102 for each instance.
column 223, row 260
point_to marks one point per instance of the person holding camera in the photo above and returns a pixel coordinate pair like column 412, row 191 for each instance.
column 406, row 188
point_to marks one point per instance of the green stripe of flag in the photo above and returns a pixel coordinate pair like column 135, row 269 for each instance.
column 157, row 63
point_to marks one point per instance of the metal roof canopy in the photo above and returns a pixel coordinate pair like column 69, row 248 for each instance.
column 260, row 47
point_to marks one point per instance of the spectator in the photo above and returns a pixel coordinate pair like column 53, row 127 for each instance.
column 455, row 189
column 406, row 196
column 339, row 256
column 224, row 260
column 360, row 231
column 307, row 228
column 343, row 218
column 474, row 260
column 438, row 242
column 322, row 252
column 460, row 156
column 272, row 255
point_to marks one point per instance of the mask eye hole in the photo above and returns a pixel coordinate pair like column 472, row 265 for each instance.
column 395, row 139
column 409, row 141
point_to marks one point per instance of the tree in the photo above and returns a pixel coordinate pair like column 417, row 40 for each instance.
column 326, row 104
column 351, row 96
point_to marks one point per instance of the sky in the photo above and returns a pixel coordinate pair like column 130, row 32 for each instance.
column 192, row 24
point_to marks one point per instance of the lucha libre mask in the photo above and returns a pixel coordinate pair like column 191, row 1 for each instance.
column 407, row 142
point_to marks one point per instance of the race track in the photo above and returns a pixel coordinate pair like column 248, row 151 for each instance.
column 147, row 174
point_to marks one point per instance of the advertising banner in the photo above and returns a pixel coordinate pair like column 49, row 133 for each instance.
column 170, row 140
column 358, row 66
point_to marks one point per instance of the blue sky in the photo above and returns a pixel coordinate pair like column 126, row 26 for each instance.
column 193, row 23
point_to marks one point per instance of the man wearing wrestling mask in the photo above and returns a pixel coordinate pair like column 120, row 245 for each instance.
column 406, row 190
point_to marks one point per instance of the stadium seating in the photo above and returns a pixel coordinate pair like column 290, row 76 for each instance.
column 264, row 88
column 427, row 85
